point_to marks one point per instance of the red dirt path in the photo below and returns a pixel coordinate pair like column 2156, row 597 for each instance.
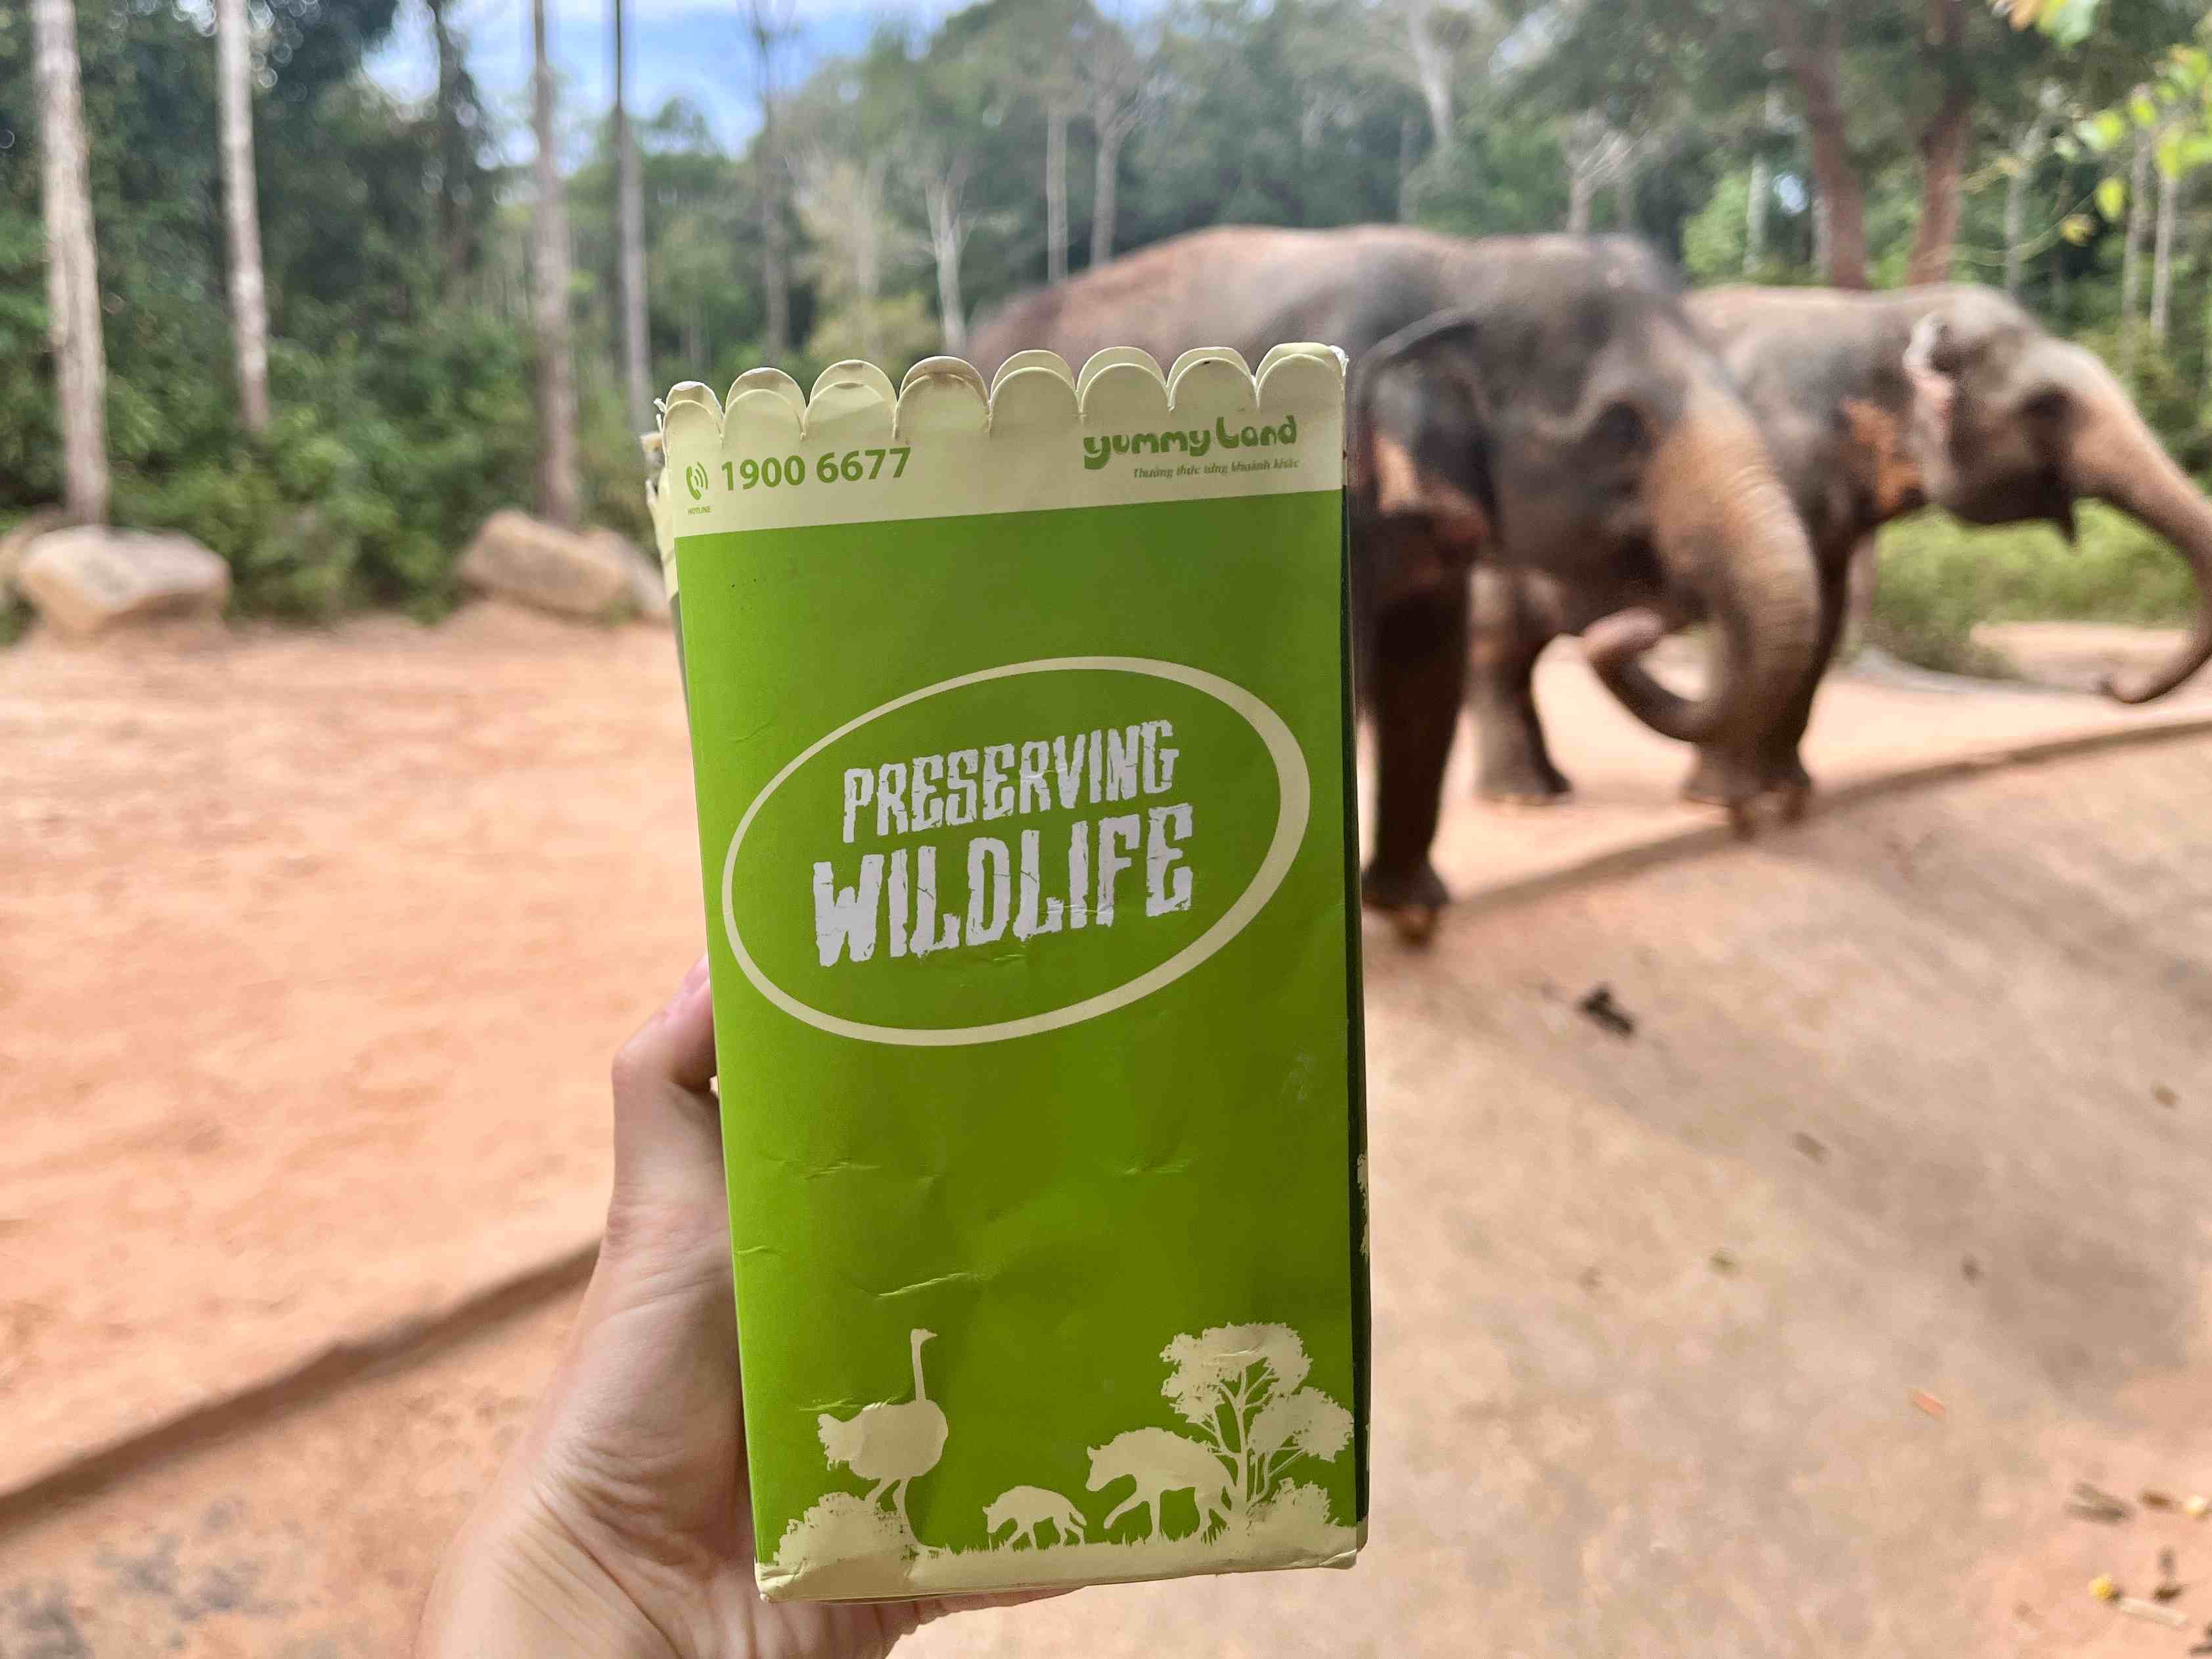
column 316, row 947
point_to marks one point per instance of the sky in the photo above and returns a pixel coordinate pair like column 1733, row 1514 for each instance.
column 677, row 48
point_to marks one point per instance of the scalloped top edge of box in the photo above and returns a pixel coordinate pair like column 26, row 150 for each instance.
column 1033, row 392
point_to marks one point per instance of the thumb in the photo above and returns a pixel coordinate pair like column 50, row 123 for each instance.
column 668, row 1136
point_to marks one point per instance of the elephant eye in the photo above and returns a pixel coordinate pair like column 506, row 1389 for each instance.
column 1620, row 428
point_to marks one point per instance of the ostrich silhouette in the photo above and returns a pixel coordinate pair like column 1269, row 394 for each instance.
column 889, row 1444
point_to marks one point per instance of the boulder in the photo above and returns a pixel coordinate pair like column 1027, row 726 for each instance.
column 85, row 580
column 17, row 541
column 515, row 557
column 648, row 594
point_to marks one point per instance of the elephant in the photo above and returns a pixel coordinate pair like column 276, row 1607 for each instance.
column 1543, row 402
column 1873, row 405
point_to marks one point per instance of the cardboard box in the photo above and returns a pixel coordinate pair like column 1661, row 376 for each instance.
column 1022, row 735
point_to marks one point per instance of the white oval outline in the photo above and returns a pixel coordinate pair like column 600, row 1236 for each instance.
column 1293, row 786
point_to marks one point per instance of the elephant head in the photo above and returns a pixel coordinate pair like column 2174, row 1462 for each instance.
column 1574, row 421
column 2011, row 423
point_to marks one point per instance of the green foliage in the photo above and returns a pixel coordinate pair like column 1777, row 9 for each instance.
column 1939, row 578
column 398, row 280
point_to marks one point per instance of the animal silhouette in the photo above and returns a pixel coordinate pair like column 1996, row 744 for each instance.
column 889, row 1444
column 1160, row 1462
column 1027, row 1509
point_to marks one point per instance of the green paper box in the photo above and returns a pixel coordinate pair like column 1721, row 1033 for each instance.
column 1020, row 720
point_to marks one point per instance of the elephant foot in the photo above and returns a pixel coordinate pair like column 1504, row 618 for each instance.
column 1410, row 902
column 1739, row 788
column 1528, row 785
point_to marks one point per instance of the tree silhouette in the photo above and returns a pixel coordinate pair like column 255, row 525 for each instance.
column 1241, row 1387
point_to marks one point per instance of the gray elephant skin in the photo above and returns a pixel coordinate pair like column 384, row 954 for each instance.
column 1873, row 405
column 1544, row 403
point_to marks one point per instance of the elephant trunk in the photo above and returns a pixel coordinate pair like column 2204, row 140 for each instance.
column 2116, row 458
column 1726, row 530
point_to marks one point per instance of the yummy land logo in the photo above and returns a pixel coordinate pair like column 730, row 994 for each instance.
column 1013, row 851
column 1099, row 448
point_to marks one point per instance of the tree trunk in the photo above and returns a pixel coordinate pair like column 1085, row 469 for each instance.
column 557, row 489
column 775, row 262
column 630, row 225
column 2132, row 251
column 249, row 314
column 1942, row 161
column 1432, row 70
column 1815, row 67
column 868, row 238
column 1754, row 217
column 1942, row 143
column 941, row 197
column 775, row 244
column 1105, row 182
column 2161, row 259
column 1055, row 191
column 1580, row 189
column 72, row 267
column 1759, row 202
column 452, row 223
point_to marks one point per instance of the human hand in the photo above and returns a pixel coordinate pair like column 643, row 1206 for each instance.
column 622, row 1522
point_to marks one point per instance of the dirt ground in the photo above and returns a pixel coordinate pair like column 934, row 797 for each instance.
column 309, row 993
column 304, row 1014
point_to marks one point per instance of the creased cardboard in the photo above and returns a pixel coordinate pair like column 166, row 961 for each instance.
column 1020, row 720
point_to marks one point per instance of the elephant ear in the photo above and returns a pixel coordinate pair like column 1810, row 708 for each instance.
column 1422, row 442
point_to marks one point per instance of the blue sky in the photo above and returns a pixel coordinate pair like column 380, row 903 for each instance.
column 677, row 47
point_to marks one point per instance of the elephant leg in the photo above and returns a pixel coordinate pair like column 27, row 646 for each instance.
column 1418, row 677
column 1733, row 778
column 1514, row 763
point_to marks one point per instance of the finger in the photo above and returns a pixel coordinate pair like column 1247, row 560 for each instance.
column 668, row 1140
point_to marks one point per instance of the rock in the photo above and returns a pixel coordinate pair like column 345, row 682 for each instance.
column 17, row 541
column 515, row 557
column 89, row 579
column 649, row 595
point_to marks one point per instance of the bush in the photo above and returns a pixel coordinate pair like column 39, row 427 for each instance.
column 1940, row 577
column 387, row 455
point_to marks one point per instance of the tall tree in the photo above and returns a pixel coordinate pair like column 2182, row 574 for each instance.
column 769, row 24
column 1598, row 155
column 1427, row 46
column 557, row 490
column 1813, row 51
column 1943, row 137
column 844, row 203
column 2161, row 259
column 249, row 311
column 1119, row 78
column 1038, row 47
column 464, row 195
column 1759, row 203
column 629, row 237
column 943, row 191
column 72, row 269
column 2131, row 249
